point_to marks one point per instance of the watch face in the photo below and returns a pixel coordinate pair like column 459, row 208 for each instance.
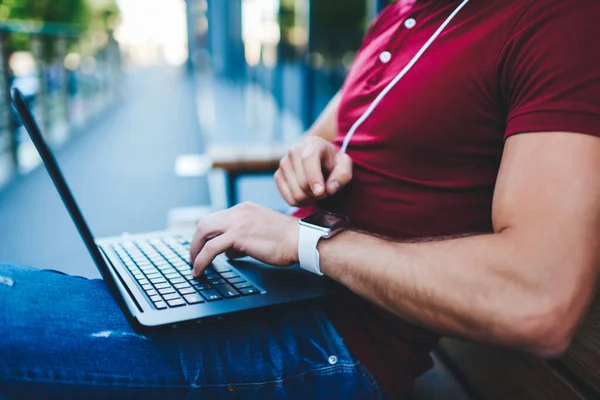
column 327, row 220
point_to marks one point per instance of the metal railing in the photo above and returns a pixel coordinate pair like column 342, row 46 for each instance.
column 67, row 76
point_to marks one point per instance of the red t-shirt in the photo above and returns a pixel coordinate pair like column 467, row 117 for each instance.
column 426, row 160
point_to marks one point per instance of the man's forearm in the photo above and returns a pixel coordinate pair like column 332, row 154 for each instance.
column 475, row 287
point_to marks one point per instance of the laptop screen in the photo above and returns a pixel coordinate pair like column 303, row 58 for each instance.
column 60, row 183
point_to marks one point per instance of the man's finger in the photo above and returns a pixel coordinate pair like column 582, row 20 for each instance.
column 289, row 175
column 300, row 176
column 210, row 250
column 209, row 227
column 341, row 174
column 313, row 161
column 283, row 188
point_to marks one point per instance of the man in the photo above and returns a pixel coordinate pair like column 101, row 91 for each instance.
column 474, row 194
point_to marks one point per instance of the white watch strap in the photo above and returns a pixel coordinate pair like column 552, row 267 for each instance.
column 308, row 255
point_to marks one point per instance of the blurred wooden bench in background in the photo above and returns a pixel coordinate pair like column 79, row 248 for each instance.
column 238, row 160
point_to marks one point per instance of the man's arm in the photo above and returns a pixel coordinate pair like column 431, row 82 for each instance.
column 326, row 125
column 528, row 284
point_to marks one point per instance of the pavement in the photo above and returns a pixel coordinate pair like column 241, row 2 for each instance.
column 121, row 170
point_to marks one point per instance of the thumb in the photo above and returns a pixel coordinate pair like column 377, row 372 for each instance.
column 341, row 173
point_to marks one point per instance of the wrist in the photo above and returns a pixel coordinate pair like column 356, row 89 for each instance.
column 314, row 229
column 330, row 252
column 292, row 235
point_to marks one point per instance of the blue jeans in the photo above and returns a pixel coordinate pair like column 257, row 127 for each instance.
column 65, row 337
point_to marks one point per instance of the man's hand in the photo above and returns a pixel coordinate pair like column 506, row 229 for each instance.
column 246, row 229
column 312, row 170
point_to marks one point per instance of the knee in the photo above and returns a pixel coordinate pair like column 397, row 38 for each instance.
column 10, row 272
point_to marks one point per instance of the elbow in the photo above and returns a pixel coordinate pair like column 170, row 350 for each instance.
column 552, row 345
column 547, row 314
column 547, row 331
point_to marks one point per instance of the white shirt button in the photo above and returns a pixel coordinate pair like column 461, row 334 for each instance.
column 410, row 23
column 385, row 57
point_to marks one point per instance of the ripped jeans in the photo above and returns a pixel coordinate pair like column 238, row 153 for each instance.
column 64, row 337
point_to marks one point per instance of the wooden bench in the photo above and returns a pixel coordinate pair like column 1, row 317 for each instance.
column 244, row 160
column 495, row 373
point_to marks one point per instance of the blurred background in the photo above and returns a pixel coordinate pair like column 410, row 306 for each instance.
column 158, row 110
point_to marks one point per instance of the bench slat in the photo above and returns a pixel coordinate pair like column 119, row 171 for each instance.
column 495, row 373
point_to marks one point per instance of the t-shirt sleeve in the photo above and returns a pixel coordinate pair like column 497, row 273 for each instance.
column 550, row 69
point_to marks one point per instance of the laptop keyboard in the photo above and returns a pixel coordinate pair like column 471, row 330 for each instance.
column 161, row 269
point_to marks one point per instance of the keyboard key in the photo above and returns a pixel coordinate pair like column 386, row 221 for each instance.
column 144, row 263
column 144, row 281
column 161, row 305
column 180, row 263
column 242, row 285
column 193, row 298
column 147, row 287
column 172, row 296
column 153, row 275
column 166, row 290
column 158, row 280
column 151, row 292
column 187, row 290
column 227, row 291
column 249, row 291
column 155, row 298
column 211, row 295
column 169, row 271
column 162, row 285
column 201, row 286
column 236, row 280
column 177, row 280
column 220, row 268
column 217, row 281
column 228, row 275
column 182, row 285
column 176, row 303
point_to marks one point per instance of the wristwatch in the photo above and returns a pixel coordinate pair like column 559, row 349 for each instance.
column 321, row 225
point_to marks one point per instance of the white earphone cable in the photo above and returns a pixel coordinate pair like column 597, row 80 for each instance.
column 393, row 83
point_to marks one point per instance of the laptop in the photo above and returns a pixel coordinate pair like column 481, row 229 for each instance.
column 150, row 276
